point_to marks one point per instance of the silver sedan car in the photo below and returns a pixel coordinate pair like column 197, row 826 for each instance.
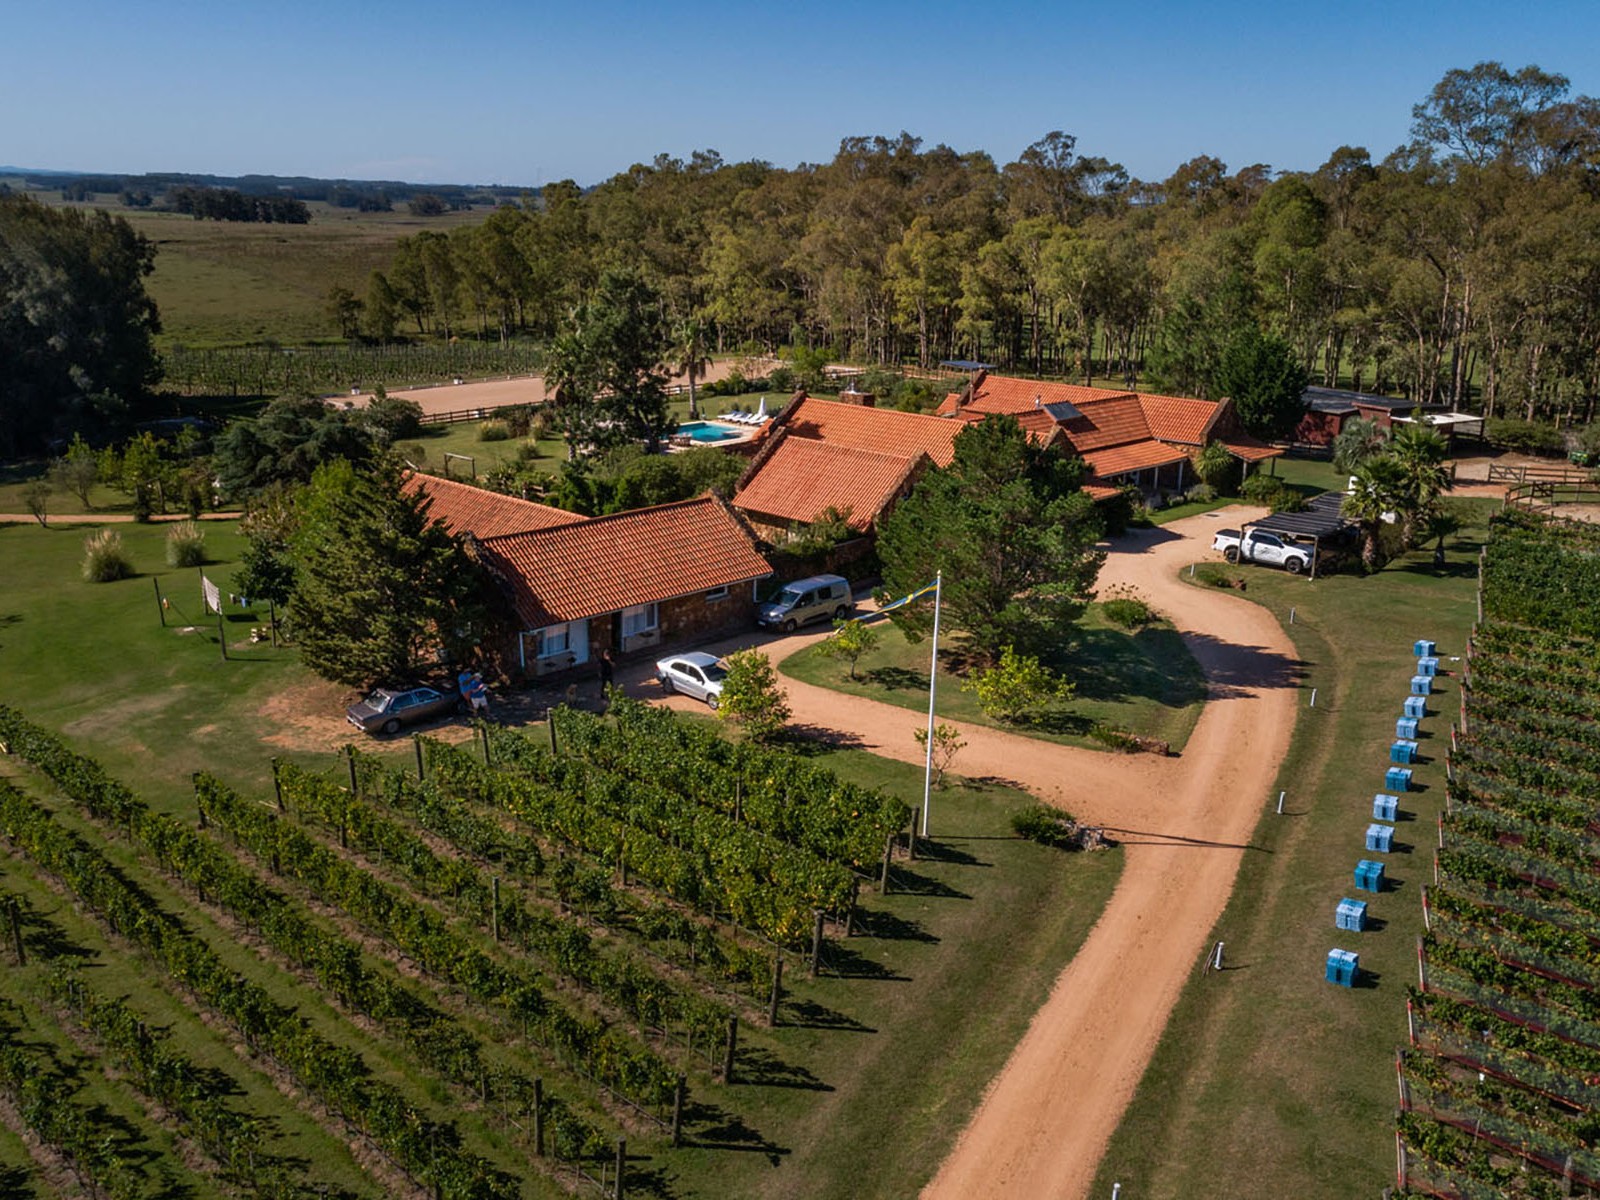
column 694, row 674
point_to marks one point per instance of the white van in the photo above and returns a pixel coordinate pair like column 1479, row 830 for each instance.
column 820, row 597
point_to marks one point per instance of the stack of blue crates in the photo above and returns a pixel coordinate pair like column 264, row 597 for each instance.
column 1421, row 685
column 1428, row 666
column 1342, row 967
column 1379, row 837
column 1406, row 728
column 1403, row 752
column 1397, row 779
column 1416, row 707
column 1351, row 914
column 1385, row 807
column 1369, row 876
column 1423, row 648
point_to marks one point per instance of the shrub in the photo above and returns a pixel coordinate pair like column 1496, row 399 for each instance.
column 1047, row 826
column 1017, row 686
column 412, row 452
column 947, row 743
column 186, row 545
column 1113, row 738
column 751, row 696
column 1201, row 493
column 103, row 557
column 1526, row 437
column 1273, row 492
column 541, row 422
column 393, row 418
column 494, row 430
column 1125, row 607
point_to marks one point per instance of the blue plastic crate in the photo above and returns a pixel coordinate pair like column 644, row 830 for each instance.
column 1406, row 727
column 1384, row 807
column 1416, row 707
column 1369, row 876
column 1342, row 967
column 1428, row 666
column 1403, row 752
column 1423, row 648
column 1421, row 685
column 1380, row 837
column 1397, row 779
column 1351, row 914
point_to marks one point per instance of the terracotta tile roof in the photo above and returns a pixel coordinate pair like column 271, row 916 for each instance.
column 1179, row 419
column 462, row 508
column 1100, row 491
column 606, row 564
column 1112, row 422
column 881, row 429
column 803, row 477
column 1249, row 449
column 1137, row 456
column 1003, row 393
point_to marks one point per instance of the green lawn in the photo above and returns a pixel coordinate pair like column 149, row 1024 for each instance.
column 1265, row 1068
column 1145, row 682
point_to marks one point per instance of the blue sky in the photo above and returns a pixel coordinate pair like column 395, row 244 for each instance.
column 501, row 92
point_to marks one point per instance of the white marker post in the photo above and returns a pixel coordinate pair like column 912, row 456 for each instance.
column 1217, row 966
column 1313, row 697
column 1281, row 795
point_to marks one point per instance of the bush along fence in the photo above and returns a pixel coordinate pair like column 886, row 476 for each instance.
column 317, row 370
column 1499, row 1080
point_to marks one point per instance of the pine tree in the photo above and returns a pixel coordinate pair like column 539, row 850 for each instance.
column 377, row 583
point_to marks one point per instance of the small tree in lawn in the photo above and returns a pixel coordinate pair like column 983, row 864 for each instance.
column 1017, row 686
column 37, row 497
column 751, row 696
column 77, row 471
column 947, row 743
column 851, row 639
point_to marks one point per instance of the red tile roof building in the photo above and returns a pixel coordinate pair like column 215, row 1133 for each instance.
column 796, row 479
column 463, row 508
column 606, row 564
column 1120, row 435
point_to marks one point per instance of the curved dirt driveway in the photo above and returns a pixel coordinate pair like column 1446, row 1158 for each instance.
column 1045, row 1120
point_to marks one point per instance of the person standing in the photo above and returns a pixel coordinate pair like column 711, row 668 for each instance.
column 608, row 670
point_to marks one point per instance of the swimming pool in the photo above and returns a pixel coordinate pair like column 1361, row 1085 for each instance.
column 706, row 431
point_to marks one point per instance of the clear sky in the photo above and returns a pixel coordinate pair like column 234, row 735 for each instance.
column 526, row 93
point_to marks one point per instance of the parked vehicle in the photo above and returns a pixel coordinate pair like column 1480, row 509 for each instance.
column 694, row 674
column 1259, row 546
column 387, row 709
column 804, row 600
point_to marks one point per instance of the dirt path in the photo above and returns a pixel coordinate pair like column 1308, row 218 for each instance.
column 1046, row 1119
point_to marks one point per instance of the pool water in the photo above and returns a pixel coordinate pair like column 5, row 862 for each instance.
column 705, row 431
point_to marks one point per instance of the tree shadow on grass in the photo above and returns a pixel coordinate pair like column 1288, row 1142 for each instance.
column 897, row 679
column 845, row 962
column 907, row 882
column 1233, row 670
column 710, row 1127
column 15, row 1183
column 808, row 1014
column 944, row 852
column 755, row 1066
column 877, row 923
column 809, row 741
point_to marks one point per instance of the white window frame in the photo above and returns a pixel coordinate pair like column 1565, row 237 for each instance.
column 651, row 614
column 547, row 636
column 716, row 594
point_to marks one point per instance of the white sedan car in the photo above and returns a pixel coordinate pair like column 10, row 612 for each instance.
column 694, row 674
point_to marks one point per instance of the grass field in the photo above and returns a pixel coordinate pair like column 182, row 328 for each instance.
column 1269, row 1081
column 860, row 1092
column 1145, row 682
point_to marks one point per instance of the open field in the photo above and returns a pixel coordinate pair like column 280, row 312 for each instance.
column 1268, row 1081
column 1144, row 682
column 858, row 1093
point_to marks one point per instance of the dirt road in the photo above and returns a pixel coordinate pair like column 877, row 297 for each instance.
column 1045, row 1120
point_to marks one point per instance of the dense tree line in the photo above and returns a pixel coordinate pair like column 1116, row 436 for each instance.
column 1463, row 266
column 75, row 322
column 226, row 204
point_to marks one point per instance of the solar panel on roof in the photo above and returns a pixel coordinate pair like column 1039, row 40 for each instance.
column 963, row 364
column 1062, row 410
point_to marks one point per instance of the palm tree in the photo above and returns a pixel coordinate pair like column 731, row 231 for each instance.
column 690, row 357
column 1419, row 453
column 1375, row 490
column 1361, row 440
column 1443, row 522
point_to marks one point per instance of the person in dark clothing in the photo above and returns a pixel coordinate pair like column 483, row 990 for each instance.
column 607, row 669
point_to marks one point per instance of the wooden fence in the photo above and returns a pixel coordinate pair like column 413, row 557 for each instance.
column 1547, row 493
column 1537, row 473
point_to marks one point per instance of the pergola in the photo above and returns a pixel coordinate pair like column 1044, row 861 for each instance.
column 1320, row 519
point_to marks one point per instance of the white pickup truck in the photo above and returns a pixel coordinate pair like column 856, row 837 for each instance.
column 1258, row 546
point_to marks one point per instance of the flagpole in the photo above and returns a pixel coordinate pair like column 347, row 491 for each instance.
column 933, row 682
